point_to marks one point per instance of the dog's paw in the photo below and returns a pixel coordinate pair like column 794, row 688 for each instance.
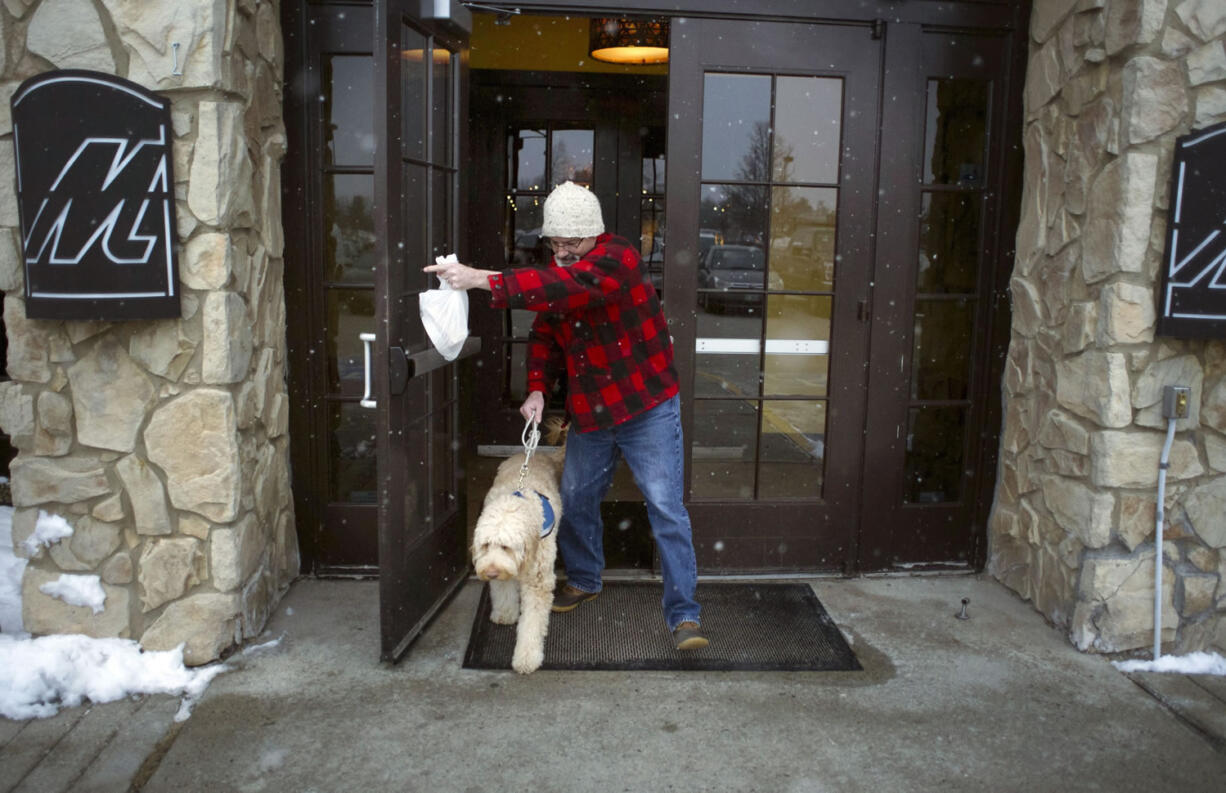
column 504, row 616
column 526, row 661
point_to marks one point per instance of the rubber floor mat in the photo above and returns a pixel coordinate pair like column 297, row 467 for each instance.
column 752, row 627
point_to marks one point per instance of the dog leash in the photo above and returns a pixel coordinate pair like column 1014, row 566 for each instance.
column 530, row 437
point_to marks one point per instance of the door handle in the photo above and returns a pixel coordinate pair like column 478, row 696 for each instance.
column 368, row 342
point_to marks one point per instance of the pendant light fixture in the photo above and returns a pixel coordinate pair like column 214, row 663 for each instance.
column 620, row 40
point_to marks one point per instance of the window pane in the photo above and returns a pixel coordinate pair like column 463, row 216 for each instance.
column 956, row 131
column 350, row 312
column 949, row 243
column 348, row 136
column 941, row 358
column 729, row 354
column 351, row 454
column 808, row 123
column 440, row 113
column 723, row 449
column 797, row 345
column 793, row 449
column 573, row 156
column 527, row 215
column 934, row 455
column 527, row 160
column 413, row 76
column 802, row 238
column 736, row 113
column 349, row 238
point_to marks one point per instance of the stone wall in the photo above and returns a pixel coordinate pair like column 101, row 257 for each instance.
column 163, row 443
column 1110, row 84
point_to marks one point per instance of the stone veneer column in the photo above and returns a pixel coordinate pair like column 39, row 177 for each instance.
column 1110, row 85
column 164, row 443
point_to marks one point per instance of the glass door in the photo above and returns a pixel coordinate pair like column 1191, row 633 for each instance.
column 419, row 85
column 941, row 235
column 770, row 207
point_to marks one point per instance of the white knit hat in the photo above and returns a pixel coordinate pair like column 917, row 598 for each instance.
column 572, row 211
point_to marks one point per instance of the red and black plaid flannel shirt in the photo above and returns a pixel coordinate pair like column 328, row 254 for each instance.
column 602, row 320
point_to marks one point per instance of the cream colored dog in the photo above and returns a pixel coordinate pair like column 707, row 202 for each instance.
column 514, row 547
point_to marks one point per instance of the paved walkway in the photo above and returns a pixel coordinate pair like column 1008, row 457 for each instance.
column 999, row 702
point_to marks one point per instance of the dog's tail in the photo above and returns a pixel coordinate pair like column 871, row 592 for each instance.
column 555, row 430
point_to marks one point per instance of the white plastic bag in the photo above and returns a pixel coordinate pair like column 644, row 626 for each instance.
column 444, row 313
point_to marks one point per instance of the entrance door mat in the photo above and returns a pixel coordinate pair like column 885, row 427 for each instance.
column 752, row 627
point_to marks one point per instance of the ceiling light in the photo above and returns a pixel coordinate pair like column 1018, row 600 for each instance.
column 628, row 40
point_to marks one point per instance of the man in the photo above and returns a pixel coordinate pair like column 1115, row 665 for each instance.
column 600, row 323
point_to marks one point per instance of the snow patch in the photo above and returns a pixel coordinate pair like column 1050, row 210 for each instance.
column 77, row 590
column 48, row 530
column 1190, row 664
column 41, row 675
column 38, row 676
column 12, row 568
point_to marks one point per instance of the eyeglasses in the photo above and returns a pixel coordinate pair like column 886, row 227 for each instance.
column 571, row 245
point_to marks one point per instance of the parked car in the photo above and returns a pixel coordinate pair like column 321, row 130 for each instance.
column 728, row 269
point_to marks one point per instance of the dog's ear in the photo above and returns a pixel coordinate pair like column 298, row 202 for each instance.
column 555, row 430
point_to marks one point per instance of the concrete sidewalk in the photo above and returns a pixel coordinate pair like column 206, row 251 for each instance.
column 999, row 702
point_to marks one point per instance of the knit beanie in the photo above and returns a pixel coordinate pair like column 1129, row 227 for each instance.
column 572, row 211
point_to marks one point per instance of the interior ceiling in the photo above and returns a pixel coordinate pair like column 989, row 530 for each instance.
column 541, row 43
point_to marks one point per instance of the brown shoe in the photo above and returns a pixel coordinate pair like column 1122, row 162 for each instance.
column 568, row 599
column 687, row 636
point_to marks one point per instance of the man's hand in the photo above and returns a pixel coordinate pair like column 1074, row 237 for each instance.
column 461, row 276
column 534, row 405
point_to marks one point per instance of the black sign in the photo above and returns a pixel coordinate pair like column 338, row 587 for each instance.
column 1192, row 302
column 95, row 186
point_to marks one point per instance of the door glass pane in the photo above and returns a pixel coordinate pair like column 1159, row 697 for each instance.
column 732, row 215
column 443, row 462
column 802, row 238
column 653, row 173
column 723, row 449
column 729, row 354
column 413, row 76
column 797, row 345
column 949, row 242
column 934, row 454
column 349, row 238
column 348, row 136
column 415, row 217
column 440, row 151
column 808, row 123
column 526, row 169
column 440, row 205
column 736, row 113
column 940, row 361
column 351, row 465
column 526, row 216
column 793, row 449
column 955, row 132
column 350, row 312
column 651, row 239
column 573, row 156
column 727, row 274
column 521, row 322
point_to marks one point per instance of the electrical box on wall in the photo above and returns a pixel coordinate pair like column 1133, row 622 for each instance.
column 1192, row 299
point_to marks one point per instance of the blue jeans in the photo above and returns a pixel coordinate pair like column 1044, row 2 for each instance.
column 651, row 443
